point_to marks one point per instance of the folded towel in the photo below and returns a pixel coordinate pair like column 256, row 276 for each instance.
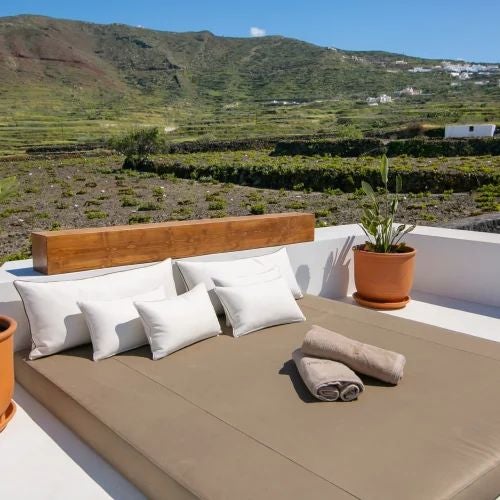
column 327, row 380
column 362, row 358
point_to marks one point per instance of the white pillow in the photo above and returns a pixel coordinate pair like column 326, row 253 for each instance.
column 254, row 307
column 56, row 322
column 115, row 325
column 172, row 324
column 251, row 279
column 197, row 272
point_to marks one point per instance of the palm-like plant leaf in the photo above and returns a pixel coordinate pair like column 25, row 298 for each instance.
column 384, row 170
column 378, row 217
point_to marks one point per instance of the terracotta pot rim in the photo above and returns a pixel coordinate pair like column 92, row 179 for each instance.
column 7, row 327
column 410, row 253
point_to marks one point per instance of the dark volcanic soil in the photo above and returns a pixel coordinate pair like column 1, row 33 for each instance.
column 84, row 192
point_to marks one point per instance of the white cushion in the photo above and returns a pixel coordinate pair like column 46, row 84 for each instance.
column 250, row 279
column 115, row 325
column 172, row 324
column 195, row 272
column 56, row 322
column 254, row 307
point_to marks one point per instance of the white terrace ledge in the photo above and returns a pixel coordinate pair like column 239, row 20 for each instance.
column 457, row 287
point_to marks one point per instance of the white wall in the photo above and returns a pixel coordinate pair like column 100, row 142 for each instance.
column 463, row 265
column 480, row 130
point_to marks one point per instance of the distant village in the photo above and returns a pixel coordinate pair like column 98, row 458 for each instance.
column 457, row 71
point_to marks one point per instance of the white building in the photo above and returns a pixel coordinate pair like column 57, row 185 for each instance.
column 383, row 99
column 477, row 130
column 410, row 91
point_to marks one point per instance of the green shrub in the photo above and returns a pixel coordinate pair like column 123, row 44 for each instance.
column 331, row 175
column 325, row 212
column 95, row 214
column 258, row 208
column 339, row 147
column 445, row 147
column 219, row 214
column 129, row 201
column 139, row 219
column 137, row 146
column 148, row 206
column 296, row 205
column 217, row 205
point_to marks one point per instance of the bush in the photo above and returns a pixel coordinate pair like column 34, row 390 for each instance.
column 258, row 209
column 217, row 205
column 445, row 147
column 340, row 147
column 139, row 219
column 254, row 143
column 95, row 214
column 129, row 201
column 418, row 147
column 148, row 206
column 336, row 177
column 138, row 145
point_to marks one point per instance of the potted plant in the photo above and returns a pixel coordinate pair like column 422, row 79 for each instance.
column 7, row 328
column 7, row 406
column 384, row 264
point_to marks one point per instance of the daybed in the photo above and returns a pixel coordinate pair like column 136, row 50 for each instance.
column 230, row 418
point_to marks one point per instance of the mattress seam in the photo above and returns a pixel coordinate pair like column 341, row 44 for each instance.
column 475, row 480
column 239, row 430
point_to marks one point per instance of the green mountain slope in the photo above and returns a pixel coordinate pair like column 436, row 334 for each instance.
column 68, row 80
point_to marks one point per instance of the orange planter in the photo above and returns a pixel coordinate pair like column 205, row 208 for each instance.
column 383, row 280
column 7, row 406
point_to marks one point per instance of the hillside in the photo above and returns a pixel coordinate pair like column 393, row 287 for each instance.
column 63, row 81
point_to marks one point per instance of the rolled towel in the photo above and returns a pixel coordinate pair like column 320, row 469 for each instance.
column 349, row 392
column 362, row 358
column 327, row 380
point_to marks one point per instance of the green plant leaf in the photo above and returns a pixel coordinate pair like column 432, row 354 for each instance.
column 399, row 184
column 368, row 189
column 384, row 169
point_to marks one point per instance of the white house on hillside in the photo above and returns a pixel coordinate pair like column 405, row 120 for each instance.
column 481, row 130
column 410, row 91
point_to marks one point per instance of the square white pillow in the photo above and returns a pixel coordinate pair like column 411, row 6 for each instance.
column 195, row 272
column 254, row 307
column 172, row 324
column 56, row 322
column 115, row 325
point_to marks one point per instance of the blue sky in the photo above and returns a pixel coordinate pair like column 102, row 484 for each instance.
column 459, row 29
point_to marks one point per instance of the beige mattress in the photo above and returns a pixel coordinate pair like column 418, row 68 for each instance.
column 230, row 418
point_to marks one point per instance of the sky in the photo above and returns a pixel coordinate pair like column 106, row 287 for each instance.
column 442, row 29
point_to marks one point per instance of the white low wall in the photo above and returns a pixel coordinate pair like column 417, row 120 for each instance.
column 463, row 265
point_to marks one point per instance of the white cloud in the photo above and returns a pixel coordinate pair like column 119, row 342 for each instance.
column 254, row 31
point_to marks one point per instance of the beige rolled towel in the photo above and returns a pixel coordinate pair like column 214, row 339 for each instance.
column 362, row 358
column 327, row 380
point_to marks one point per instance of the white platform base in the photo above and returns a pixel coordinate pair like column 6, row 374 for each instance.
column 457, row 315
column 40, row 458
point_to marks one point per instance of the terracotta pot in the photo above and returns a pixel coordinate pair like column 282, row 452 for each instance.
column 383, row 278
column 7, row 407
